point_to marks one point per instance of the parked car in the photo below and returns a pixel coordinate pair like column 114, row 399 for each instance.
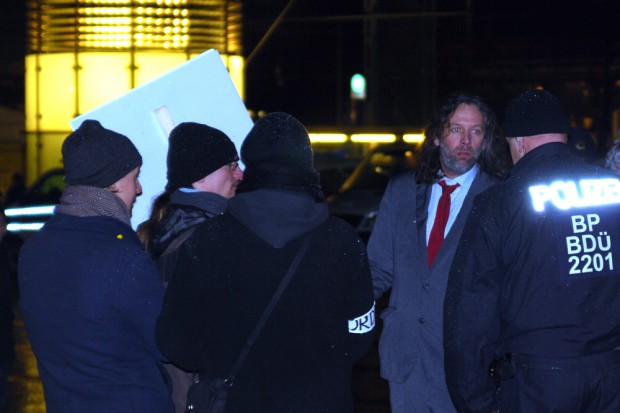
column 36, row 205
column 357, row 201
column 333, row 168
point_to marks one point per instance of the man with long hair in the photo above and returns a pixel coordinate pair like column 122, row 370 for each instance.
column 462, row 155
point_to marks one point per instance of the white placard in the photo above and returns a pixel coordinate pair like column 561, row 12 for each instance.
column 199, row 90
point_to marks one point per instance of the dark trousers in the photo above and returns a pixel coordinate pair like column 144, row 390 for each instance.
column 580, row 385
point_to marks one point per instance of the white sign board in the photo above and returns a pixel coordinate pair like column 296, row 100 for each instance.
column 200, row 90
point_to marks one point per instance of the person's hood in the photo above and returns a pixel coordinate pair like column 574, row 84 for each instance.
column 277, row 216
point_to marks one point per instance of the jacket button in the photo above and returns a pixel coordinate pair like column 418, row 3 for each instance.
column 421, row 320
column 426, row 286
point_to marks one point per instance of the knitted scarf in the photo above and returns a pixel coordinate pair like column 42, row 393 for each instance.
column 90, row 201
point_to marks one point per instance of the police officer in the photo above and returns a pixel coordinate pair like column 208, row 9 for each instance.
column 533, row 300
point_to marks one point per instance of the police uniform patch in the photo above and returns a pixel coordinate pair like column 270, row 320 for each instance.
column 584, row 213
column 588, row 242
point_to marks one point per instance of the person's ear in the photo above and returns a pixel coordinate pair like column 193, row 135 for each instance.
column 521, row 145
column 113, row 188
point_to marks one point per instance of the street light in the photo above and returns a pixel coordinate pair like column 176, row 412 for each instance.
column 358, row 87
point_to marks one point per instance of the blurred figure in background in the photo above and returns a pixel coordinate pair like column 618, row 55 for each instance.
column 15, row 191
column 582, row 145
column 11, row 244
column 7, row 353
column 203, row 173
column 612, row 160
column 89, row 293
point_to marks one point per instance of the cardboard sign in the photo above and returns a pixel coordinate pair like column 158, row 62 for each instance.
column 200, row 90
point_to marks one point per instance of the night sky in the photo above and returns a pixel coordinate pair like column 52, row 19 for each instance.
column 497, row 51
column 12, row 48
column 569, row 47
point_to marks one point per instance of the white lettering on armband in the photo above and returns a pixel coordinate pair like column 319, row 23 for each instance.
column 364, row 323
column 568, row 194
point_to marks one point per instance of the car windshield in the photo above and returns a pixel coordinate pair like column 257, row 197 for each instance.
column 374, row 172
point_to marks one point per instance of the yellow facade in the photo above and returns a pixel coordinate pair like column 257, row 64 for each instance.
column 83, row 54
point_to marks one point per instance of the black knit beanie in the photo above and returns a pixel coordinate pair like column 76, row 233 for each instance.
column 535, row 112
column 195, row 151
column 277, row 154
column 96, row 156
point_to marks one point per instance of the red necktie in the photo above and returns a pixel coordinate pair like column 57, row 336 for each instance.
column 441, row 218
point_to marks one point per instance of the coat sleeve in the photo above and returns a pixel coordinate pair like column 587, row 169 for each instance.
column 361, row 305
column 380, row 244
column 471, row 312
column 181, row 326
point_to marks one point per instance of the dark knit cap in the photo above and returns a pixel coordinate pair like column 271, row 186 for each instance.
column 535, row 112
column 195, row 151
column 277, row 154
column 96, row 156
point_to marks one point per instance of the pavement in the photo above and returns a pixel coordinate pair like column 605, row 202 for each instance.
column 25, row 389
column 370, row 392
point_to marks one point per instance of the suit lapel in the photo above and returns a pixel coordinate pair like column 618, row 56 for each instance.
column 423, row 194
column 479, row 184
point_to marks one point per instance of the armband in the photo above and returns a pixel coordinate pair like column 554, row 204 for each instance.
column 364, row 323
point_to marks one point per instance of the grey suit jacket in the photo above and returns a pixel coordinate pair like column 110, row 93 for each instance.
column 411, row 341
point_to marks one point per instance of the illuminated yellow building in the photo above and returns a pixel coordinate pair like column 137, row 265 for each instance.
column 83, row 53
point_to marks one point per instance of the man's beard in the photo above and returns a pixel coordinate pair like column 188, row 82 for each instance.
column 458, row 166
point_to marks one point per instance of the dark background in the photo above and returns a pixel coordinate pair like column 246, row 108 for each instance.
column 423, row 50
column 412, row 52
column 12, row 50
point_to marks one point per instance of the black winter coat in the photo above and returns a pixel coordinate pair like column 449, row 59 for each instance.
column 537, row 272
column 302, row 359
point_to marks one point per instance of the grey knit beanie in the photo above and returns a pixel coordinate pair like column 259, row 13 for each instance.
column 96, row 156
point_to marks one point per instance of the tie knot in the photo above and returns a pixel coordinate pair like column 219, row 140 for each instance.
column 445, row 188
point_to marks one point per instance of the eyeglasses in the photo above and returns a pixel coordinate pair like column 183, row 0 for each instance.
column 233, row 166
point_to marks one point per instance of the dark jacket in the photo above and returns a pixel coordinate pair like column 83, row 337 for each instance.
column 411, row 341
column 186, row 210
column 90, row 297
column 544, row 282
column 228, row 272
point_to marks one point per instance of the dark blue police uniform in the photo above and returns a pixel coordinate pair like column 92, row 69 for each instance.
column 537, row 276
